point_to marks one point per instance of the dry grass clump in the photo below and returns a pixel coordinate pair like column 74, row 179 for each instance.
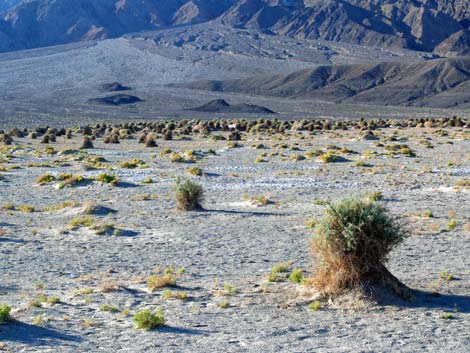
column 156, row 281
column 351, row 244
column 189, row 195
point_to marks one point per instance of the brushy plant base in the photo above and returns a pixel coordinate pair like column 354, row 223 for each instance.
column 351, row 245
column 189, row 195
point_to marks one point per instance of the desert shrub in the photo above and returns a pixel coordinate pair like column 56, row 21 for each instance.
column 155, row 282
column 45, row 179
column 195, row 171
column 86, row 144
column 146, row 320
column 189, row 195
column 150, row 142
column 135, row 163
column 4, row 313
column 296, row 276
column 351, row 244
column 331, row 157
column 107, row 178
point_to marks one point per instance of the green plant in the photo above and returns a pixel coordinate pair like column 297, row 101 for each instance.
column 447, row 316
column 155, row 282
column 189, row 195
column 296, row 276
column 109, row 308
column 107, row 178
column 224, row 304
column 452, row 224
column 315, row 305
column 195, row 171
column 45, row 179
column 4, row 313
column 351, row 244
column 229, row 289
column 146, row 320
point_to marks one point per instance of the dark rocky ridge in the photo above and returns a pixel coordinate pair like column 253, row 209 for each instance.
column 413, row 24
column 436, row 83
column 116, row 100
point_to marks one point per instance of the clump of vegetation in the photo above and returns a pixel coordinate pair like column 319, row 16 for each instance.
column 279, row 268
column 4, row 313
column 452, row 224
column 78, row 222
column 26, row 208
column 374, row 196
column 351, row 244
column 45, row 179
column 135, row 163
column 107, row 178
column 86, row 143
column 315, row 305
column 297, row 276
column 331, row 157
column 109, row 308
column 146, row 320
column 195, row 171
column 69, row 179
column 156, row 281
column 189, row 195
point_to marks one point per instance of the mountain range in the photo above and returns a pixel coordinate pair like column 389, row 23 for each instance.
column 424, row 25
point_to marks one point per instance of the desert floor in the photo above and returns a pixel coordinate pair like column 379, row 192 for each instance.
column 72, row 290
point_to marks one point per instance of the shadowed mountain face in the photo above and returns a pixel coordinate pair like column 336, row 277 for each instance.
column 8, row 4
column 413, row 24
column 437, row 83
column 41, row 23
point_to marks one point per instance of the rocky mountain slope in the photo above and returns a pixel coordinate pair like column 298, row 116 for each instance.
column 413, row 24
column 437, row 83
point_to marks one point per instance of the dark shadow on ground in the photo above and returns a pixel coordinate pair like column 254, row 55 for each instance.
column 427, row 300
column 125, row 185
column 3, row 224
column 11, row 240
column 183, row 330
column 247, row 213
column 21, row 332
column 127, row 233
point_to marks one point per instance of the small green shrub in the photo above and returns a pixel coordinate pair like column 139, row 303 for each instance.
column 296, row 276
column 315, row 305
column 189, row 195
column 146, row 320
column 4, row 313
column 107, row 178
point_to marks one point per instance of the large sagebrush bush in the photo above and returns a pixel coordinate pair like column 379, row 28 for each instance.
column 351, row 245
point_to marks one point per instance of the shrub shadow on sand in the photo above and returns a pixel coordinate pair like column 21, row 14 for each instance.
column 34, row 335
column 428, row 300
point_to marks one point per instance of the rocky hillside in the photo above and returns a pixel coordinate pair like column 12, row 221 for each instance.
column 413, row 24
column 437, row 83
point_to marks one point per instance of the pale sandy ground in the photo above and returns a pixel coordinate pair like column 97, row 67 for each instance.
column 231, row 242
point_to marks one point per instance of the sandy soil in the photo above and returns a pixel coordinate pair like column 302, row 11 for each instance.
column 228, row 249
